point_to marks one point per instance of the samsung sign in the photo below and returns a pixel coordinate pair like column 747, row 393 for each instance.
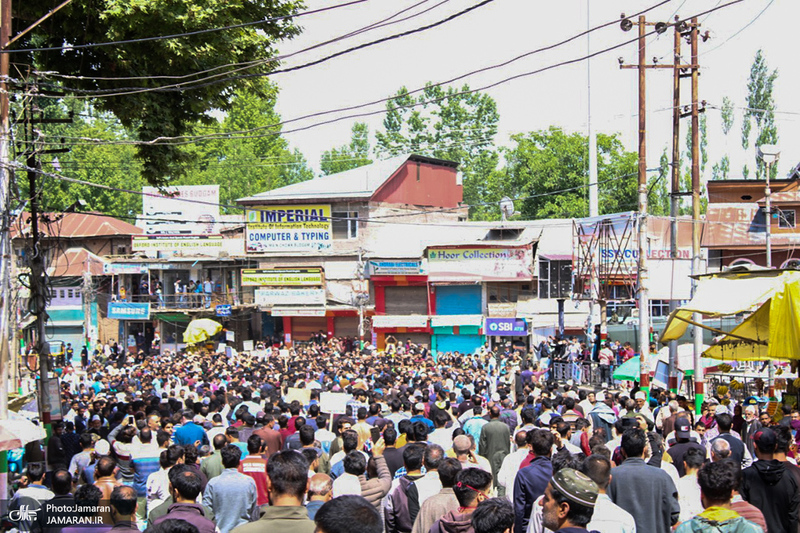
column 505, row 327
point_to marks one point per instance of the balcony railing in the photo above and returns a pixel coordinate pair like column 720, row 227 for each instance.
column 193, row 301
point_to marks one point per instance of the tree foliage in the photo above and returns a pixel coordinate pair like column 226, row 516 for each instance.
column 549, row 170
column 352, row 155
column 761, row 110
column 241, row 166
column 658, row 198
column 155, row 64
column 447, row 123
column 245, row 165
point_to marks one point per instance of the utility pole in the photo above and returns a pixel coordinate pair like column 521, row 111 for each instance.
column 594, row 209
column 643, row 274
column 87, row 290
column 675, row 193
column 643, row 278
column 699, row 381
column 5, row 231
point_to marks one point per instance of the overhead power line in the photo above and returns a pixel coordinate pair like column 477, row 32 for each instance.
column 184, row 139
column 20, row 166
column 186, row 34
column 182, row 86
column 379, row 24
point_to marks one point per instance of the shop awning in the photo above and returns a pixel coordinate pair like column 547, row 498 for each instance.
column 173, row 317
column 771, row 332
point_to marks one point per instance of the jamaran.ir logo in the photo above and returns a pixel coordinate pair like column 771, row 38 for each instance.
column 24, row 514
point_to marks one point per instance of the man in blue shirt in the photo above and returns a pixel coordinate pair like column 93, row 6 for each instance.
column 189, row 432
column 418, row 410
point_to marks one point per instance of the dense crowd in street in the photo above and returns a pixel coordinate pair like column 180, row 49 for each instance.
column 198, row 442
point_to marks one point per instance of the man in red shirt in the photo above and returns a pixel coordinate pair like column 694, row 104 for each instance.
column 255, row 466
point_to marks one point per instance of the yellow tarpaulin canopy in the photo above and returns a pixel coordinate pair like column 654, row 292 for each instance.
column 200, row 330
column 771, row 332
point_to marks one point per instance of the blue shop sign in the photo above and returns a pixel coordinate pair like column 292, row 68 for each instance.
column 128, row 311
column 223, row 310
column 507, row 327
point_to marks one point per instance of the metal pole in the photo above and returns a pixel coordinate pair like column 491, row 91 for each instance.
column 768, row 236
column 699, row 382
column 644, row 300
column 5, row 221
column 593, row 186
column 37, row 288
column 674, row 198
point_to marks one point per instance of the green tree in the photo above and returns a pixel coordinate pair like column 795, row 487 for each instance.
column 658, row 199
column 761, row 110
column 212, row 65
column 549, row 169
column 352, row 155
column 244, row 166
column 722, row 169
column 114, row 165
column 447, row 123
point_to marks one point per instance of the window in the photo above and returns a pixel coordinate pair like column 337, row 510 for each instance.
column 69, row 293
column 345, row 224
column 786, row 218
column 61, row 293
column 659, row 308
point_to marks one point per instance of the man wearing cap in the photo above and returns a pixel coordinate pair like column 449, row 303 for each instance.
column 646, row 492
column 568, row 502
column 683, row 444
column 768, row 485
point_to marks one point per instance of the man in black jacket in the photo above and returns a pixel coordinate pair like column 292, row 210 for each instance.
column 770, row 487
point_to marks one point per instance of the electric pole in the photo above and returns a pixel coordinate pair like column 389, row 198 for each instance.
column 675, row 188
column 642, row 267
column 699, row 382
column 643, row 272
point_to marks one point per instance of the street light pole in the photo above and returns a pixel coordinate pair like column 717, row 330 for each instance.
column 769, row 154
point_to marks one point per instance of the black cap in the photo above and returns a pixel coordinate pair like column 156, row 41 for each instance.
column 682, row 428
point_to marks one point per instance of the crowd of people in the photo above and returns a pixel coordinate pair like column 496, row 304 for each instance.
column 485, row 443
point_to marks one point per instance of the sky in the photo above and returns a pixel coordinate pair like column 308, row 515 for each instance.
column 504, row 29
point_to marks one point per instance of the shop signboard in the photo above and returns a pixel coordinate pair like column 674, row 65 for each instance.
column 271, row 297
column 506, row 327
column 182, row 210
column 400, row 321
column 128, row 311
column 176, row 243
column 51, row 398
column 395, row 268
column 223, row 310
column 124, row 268
column 276, row 228
column 480, row 264
column 282, row 277
column 298, row 311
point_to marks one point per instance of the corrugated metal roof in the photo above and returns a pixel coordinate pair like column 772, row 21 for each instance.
column 77, row 225
column 361, row 182
column 74, row 262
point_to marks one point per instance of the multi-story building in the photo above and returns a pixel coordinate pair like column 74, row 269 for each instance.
column 77, row 249
column 736, row 223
